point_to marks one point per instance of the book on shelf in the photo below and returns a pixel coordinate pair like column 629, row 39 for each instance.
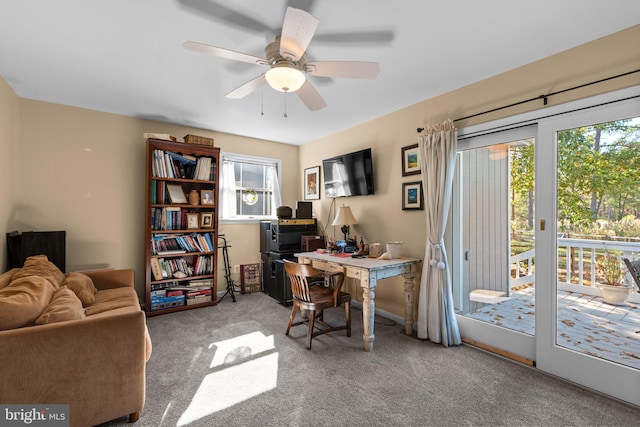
column 171, row 218
column 158, row 192
column 166, row 244
column 159, row 303
column 194, row 293
column 173, row 292
column 198, row 300
column 183, row 165
column 156, row 269
column 163, row 269
column 201, row 282
column 205, row 169
column 167, row 164
column 162, row 286
column 159, row 293
column 172, row 252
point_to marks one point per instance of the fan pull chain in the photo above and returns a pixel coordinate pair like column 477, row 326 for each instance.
column 285, row 104
column 262, row 101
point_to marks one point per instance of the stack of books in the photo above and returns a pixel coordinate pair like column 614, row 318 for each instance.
column 165, row 298
column 194, row 292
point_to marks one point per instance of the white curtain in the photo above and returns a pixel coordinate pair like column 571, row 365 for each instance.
column 228, row 192
column 276, row 200
column 436, row 317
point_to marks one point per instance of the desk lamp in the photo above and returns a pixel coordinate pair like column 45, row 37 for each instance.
column 345, row 218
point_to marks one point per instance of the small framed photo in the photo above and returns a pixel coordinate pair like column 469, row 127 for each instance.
column 410, row 160
column 412, row 197
column 176, row 194
column 312, row 183
column 206, row 197
column 206, row 220
column 193, row 221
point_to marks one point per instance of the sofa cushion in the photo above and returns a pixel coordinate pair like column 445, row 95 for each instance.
column 23, row 299
column 39, row 265
column 82, row 286
column 111, row 299
column 64, row 305
column 5, row 278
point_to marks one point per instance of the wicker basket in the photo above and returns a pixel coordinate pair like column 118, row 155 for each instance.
column 200, row 140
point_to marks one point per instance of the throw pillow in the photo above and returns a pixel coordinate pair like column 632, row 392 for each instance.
column 82, row 286
column 39, row 265
column 22, row 301
column 64, row 305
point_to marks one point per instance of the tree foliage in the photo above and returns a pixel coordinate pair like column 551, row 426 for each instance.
column 598, row 175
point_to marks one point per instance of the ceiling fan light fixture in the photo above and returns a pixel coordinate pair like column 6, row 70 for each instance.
column 285, row 78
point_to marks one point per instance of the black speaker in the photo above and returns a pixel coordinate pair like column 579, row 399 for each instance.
column 303, row 210
column 265, row 236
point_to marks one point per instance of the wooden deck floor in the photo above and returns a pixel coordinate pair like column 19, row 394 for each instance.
column 585, row 324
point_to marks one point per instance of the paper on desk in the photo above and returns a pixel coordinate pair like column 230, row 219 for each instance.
column 385, row 255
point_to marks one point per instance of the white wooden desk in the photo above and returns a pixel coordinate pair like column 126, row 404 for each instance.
column 368, row 271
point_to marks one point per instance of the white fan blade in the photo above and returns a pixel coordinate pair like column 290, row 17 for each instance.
column 247, row 88
column 297, row 31
column 310, row 96
column 223, row 53
column 344, row 69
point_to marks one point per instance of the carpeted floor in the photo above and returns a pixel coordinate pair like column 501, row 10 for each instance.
column 232, row 365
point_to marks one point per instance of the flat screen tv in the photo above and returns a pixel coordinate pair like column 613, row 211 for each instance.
column 349, row 174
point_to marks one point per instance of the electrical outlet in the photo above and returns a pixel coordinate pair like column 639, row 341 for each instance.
column 236, row 268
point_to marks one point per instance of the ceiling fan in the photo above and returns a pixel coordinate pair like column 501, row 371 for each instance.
column 286, row 59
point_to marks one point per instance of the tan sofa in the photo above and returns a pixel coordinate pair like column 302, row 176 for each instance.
column 89, row 353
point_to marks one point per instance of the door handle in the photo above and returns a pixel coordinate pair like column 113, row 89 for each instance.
column 542, row 225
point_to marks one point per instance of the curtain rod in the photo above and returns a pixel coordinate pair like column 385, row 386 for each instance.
column 543, row 97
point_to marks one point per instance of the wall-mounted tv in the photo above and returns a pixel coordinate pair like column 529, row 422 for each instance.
column 349, row 174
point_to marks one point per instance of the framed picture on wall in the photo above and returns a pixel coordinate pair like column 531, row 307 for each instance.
column 312, row 183
column 412, row 197
column 410, row 160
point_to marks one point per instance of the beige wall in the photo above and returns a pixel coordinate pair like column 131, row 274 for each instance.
column 83, row 171
column 9, row 139
column 380, row 217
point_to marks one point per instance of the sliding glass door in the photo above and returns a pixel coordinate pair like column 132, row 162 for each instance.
column 593, row 224
column 494, row 255
column 543, row 216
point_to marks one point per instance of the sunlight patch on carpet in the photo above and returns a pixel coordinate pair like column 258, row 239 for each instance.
column 230, row 385
column 235, row 349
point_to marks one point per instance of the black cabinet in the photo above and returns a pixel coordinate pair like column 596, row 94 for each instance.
column 20, row 246
column 280, row 240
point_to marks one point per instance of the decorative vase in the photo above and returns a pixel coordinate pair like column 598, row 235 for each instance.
column 194, row 197
column 615, row 295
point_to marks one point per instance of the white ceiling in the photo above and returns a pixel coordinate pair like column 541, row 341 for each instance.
column 126, row 56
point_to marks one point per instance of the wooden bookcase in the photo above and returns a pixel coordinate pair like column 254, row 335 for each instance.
column 181, row 238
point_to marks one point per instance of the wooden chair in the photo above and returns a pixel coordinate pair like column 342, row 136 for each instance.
column 316, row 298
column 634, row 269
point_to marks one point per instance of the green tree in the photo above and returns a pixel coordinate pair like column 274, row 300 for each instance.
column 522, row 181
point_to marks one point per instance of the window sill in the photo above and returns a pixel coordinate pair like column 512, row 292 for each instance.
column 245, row 220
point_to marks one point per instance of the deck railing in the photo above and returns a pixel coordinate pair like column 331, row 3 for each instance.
column 581, row 268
